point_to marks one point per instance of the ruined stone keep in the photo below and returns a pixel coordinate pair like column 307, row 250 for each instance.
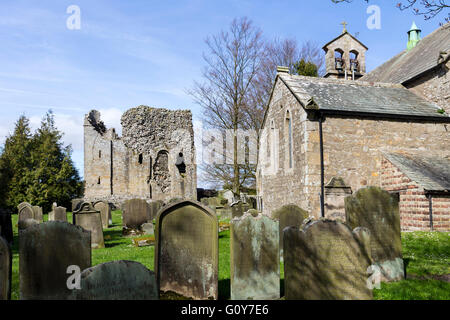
column 153, row 160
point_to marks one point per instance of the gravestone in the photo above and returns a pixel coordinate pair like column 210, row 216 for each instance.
column 89, row 219
column 135, row 213
column 46, row 250
column 378, row 211
column 38, row 214
column 155, row 206
column 25, row 212
column 186, row 252
column 117, row 280
column 255, row 266
column 76, row 203
column 325, row 260
column 6, row 230
column 105, row 212
column 289, row 215
column 5, row 270
column 237, row 209
column 58, row 214
column 335, row 193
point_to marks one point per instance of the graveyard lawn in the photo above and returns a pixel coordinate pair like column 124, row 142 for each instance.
column 426, row 255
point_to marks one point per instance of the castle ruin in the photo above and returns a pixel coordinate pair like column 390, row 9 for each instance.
column 153, row 160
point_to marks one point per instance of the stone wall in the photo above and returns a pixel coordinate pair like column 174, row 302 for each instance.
column 434, row 86
column 353, row 150
column 141, row 164
column 413, row 203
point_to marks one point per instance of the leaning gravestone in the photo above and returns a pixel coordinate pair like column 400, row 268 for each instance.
column 117, row 280
column 186, row 253
column 289, row 216
column 6, row 230
column 89, row 219
column 376, row 210
column 46, row 250
column 325, row 260
column 255, row 266
column 25, row 211
column 58, row 214
column 105, row 212
column 135, row 213
column 5, row 270
column 38, row 214
column 155, row 206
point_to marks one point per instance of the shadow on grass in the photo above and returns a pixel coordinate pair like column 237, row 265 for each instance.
column 112, row 238
column 224, row 289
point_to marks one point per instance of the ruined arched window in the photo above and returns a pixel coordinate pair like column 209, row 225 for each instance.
column 161, row 170
column 339, row 59
column 288, row 138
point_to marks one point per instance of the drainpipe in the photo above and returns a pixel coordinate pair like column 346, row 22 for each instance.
column 322, row 182
column 430, row 206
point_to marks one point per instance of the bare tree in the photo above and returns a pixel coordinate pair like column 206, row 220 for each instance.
column 233, row 61
column 426, row 8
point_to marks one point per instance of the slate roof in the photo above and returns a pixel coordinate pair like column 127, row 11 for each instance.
column 431, row 173
column 409, row 64
column 339, row 96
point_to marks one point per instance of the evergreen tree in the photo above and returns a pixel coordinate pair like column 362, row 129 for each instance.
column 15, row 164
column 38, row 168
column 306, row 68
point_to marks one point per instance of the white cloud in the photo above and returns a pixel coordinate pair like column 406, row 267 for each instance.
column 111, row 118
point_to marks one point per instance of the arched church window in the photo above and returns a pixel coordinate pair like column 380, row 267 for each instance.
column 288, row 138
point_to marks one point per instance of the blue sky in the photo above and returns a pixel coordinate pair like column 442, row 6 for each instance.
column 129, row 53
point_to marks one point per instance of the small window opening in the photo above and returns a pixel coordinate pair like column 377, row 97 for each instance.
column 99, row 154
column 354, row 65
column 338, row 58
column 140, row 159
column 98, row 182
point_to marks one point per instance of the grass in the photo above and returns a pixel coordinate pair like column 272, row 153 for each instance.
column 426, row 255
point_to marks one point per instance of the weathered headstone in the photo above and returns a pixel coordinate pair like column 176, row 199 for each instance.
column 58, row 214
column 236, row 209
column 89, row 219
column 76, row 203
column 6, row 230
column 25, row 211
column 186, row 253
column 117, row 280
column 135, row 213
column 378, row 211
column 5, row 270
column 255, row 259
column 325, row 260
column 105, row 212
column 38, row 214
column 289, row 215
column 46, row 251
column 155, row 206
column 335, row 193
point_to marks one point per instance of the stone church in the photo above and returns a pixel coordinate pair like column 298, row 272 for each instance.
column 153, row 160
column 324, row 138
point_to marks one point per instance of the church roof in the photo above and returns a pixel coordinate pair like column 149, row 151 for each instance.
column 431, row 173
column 346, row 97
column 409, row 64
column 342, row 35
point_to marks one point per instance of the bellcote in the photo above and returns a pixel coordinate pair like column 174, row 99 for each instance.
column 345, row 57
